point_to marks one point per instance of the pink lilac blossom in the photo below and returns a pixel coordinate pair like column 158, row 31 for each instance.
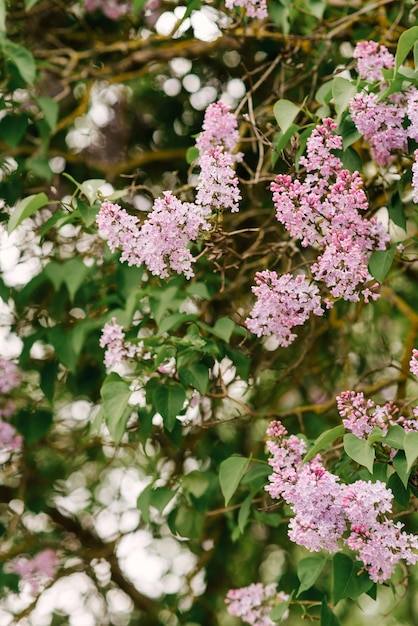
column 381, row 124
column 120, row 230
column 37, row 571
column 111, row 8
column 380, row 542
column 220, row 130
column 371, row 59
column 9, row 438
column 329, row 514
column 412, row 112
column 217, row 186
column 253, row 604
column 9, row 375
column 254, row 8
column 282, row 303
column 415, row 177
column 413, row 363
column 118, row 350
column 324, row 210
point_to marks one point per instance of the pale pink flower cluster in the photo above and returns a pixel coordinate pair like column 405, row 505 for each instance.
column 412, row 112
column 39, row 570
column 324, row 210
column 360, row 416
column 111, row 8
column 381, row 124
column 118, row 350
column 254, row 603
column 413, row 363
column 10, row 440
column 10, row 377
column 162, row 242
column 371, row 59
column 254, row 8
column 415, row 177
column 282, row 303
column 217, row 186
column 329, row 515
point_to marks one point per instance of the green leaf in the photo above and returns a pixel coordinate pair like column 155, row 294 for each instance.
column 328, row 618
column 279, row 610
column 88, row 213
column 115, row 394
column 30, row 3
column 33, row 426
column 71, row 273
column 39, row 166
column 231, row 472
column 22, row 59
column 411, row 448
column 161, row 497
column 143, row 503
column 223, row 328
column 25, row 208
column 187, row 522
column 416, row 55
column 406, row 42
column 342, row 92
column 62, row 343
column 138, row 4
column 359, row 450
column 2, row 16
column 168, row 400
column 13, row 128
column 244, row 512
column 192, row 154
column 285, row 112
column 380, row 262
column 195, row 483
column 347, row 579
column 257, row 475
column 309, row 570
column 196, row 375
column 90, row 188
column 323, row 440
column 50, row 109
column 395, row 437
column 375, row 435
column 395, row 210
column 161, row 303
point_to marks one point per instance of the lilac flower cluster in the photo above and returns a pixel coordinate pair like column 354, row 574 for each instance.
column 254, row 8
column 329, row 515
column 118, row 350
column 37, row 571
column 360, row 416
column 10, row 378
column 254, row 603
column 111, row 8
column 282, row 303
column 162, row 241
column 371, row 59
column 415, row 177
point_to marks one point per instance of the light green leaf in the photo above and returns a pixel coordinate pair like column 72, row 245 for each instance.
column 25, row 208
column 285, row 112
column 395, row 437
column 3, row 16
column 223, row 328
column 323, row 440
column 380, row 262
column 359, row 450
column 22, row 59
column 342, row 92
column 231, row 472
column 375, row 435
column 348, row 581
column 308, row 571
column 90, row 188
column 115, row 394
column 411, row 448
column 138, row 4
column 401, row 466
column 405, row 44
column 168, row 400
column 50, row 109
column 279, row 610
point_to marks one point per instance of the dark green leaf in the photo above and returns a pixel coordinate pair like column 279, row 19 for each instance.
column 115, row 394
column 328, row 618
column 395, row 209
column 33, row 425
column 348, row 581
column 13, row 128
column 244, row 512
column 168, row 401
column 196, row 375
